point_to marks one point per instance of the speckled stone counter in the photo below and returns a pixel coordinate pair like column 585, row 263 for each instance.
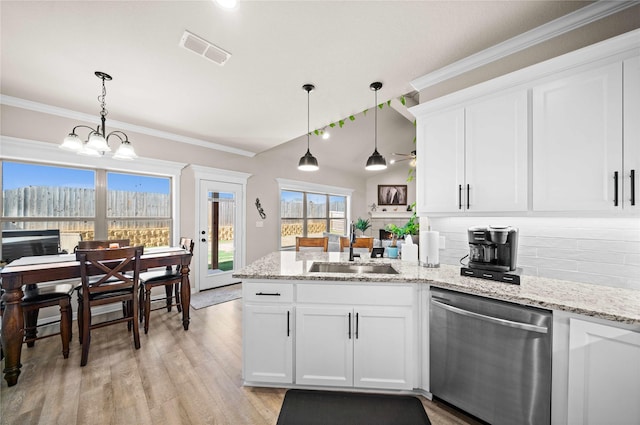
column 620, row 305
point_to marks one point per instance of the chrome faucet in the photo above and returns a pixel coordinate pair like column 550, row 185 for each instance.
column 352, row 240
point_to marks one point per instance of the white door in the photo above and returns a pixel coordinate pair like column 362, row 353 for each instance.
column 383, row 348
column 324, row 346
column 577, row 141
column 496, row 154
column 440, row 166
column 631, row 168
column 268, row 347
column 220, row 233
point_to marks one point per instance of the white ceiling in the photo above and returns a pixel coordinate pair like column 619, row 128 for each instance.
column 50, row 50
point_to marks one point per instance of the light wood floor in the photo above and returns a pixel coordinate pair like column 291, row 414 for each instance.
column 176, row 377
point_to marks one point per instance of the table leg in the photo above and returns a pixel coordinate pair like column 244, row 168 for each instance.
column 185, row 295
column 12, row 334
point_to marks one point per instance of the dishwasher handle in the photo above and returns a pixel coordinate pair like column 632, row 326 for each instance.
column 496, row 320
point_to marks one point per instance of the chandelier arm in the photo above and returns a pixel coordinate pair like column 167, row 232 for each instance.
column 83, row 126
column 117, row 133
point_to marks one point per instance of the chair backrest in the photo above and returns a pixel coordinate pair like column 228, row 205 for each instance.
column 102, row 244
column 359, row 243
column 312, row 242
column 187, row 244
column 111, row 266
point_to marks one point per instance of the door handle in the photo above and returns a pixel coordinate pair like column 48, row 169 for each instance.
column 495, row 320
column 357, row 325
column 468, row 205
column 203, row 240
column 459, row 196
column 349, row 331
column 632, row 176
column 288, row 325
column 615, row 188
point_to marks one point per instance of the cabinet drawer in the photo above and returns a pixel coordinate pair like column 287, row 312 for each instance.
column 355, row 294
column 267, row 292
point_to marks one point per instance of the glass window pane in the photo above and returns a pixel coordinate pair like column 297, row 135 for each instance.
column 316, row 228
column 148, row 233
column 289, row 229
column 337, row 214
column 30, row 190
column 133, row 195
column 291, row 204
column 316, row 205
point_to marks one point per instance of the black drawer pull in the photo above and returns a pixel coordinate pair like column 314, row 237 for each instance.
column 288, row 327
column 615, row 188
column 268, row 294
column 459, row 196
column 468, row 204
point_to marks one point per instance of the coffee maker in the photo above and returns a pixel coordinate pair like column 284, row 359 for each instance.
column 493, row 248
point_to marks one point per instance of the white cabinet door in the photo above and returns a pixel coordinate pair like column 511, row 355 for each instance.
column 496, row 154
column 383, row 347
column 324, row 346
column 577, row 141
column 631, row 134
column 268, row 343
column 604, row 374
column 440, row 165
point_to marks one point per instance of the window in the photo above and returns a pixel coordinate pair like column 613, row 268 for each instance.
column 311, row 212
column 39, row 197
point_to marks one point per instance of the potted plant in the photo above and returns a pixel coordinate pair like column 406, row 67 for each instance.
column 396, row 232
column 362, row 225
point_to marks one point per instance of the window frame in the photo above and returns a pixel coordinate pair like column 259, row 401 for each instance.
column 313, row 188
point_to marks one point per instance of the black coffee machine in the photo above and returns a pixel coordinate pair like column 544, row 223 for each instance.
column 493, row 248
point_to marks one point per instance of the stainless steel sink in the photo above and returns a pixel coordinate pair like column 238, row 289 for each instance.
column 352, row 268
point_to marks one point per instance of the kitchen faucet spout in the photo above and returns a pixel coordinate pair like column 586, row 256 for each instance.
column 352, row 240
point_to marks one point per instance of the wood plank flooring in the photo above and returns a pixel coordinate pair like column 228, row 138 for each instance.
column 176, row 377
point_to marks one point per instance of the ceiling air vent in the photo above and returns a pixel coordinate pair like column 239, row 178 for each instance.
column 203, row 48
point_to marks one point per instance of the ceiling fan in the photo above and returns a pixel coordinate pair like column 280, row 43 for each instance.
column 405, row 157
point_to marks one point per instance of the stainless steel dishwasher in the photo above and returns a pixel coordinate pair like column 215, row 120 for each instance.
column 490, row 358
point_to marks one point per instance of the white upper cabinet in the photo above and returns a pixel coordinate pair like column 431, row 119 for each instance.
column 577, row 141
column 474, row 158
column 631, row 133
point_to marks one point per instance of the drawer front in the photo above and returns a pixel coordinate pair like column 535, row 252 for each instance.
column 390, row 295
column 267, row 292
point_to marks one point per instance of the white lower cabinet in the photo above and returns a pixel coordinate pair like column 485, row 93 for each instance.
column 604, row 374
column 365, row 347
column 267, row 333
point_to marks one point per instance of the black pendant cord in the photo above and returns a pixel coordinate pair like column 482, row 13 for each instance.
column 308, row 118
column 375, row 137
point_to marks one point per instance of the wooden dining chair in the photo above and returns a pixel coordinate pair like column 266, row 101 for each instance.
column 359, row 243
column 38, row 297
column 170, row 278
column 309, row 242
column 119, row 273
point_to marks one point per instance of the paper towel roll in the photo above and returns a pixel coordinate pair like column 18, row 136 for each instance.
column 429, row 248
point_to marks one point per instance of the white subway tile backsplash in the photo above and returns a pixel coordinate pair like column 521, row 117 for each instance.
column 600, row 251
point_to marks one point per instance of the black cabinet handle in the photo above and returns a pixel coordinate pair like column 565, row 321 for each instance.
column 615, row 188
column 349, row 332
column 632, row 176
column 357, row 325
column 468, row 205
column 288, row 326
column 268, row 294
column 459, row 196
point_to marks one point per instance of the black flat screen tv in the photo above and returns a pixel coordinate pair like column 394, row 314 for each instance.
column 28, row 243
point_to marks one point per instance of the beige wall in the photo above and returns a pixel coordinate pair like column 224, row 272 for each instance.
column 603, row 29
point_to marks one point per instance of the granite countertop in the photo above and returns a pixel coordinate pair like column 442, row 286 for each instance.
column 616, row 304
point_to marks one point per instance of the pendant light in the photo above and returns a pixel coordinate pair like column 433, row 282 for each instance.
column 376, row 161
column 308, row 162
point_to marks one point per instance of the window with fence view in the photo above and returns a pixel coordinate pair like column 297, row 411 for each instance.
column 83, row 203
column 311, row 215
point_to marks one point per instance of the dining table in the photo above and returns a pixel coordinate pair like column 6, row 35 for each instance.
column 43, row 269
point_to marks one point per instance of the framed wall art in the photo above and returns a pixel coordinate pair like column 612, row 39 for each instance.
column 392, row 194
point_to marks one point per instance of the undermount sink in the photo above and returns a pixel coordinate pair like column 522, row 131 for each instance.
column 352, row 268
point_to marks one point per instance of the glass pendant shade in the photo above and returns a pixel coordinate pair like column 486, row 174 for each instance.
column 376, row 162
column 72, row 143
column 98, row 143
column 87, row 151
column 125, row 152
column 308, row 162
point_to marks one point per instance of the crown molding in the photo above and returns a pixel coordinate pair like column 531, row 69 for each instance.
column 564, row 24
column 67, row 113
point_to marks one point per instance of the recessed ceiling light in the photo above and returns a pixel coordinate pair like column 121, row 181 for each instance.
column 227, row 4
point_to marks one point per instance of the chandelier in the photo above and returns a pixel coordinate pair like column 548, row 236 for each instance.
column 97, row 142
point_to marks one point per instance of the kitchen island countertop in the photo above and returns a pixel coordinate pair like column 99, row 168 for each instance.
column 615, row 304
